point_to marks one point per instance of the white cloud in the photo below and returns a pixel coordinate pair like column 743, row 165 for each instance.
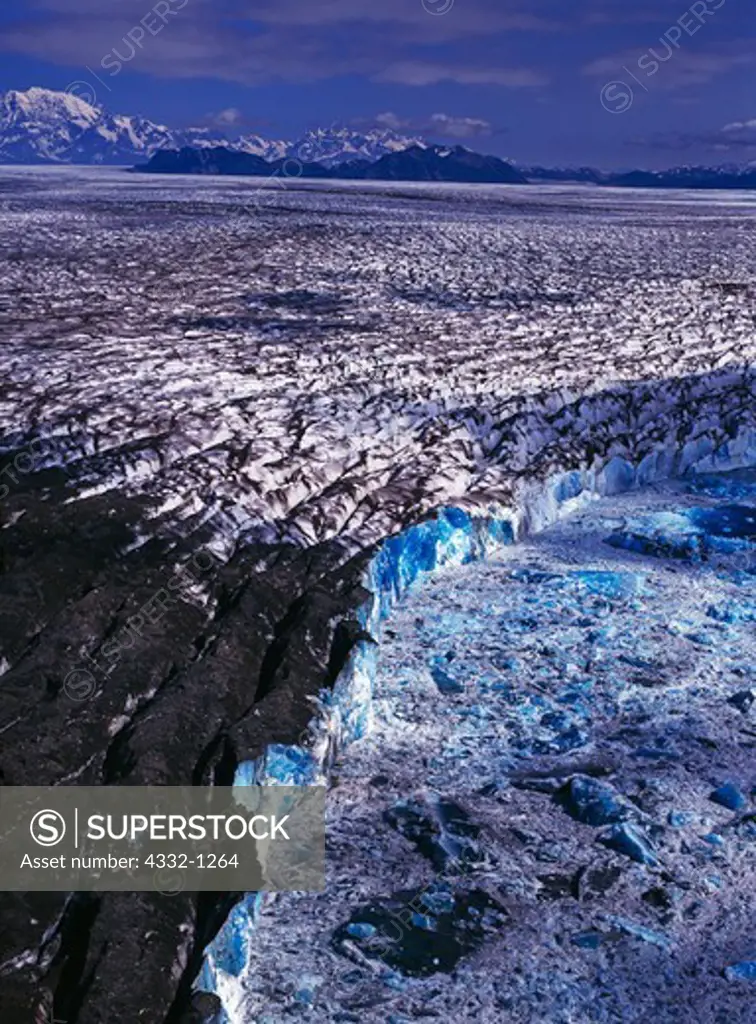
column 229, row 116
column 390, row 120
column 288, row 40
column 447, row 126
column 460, row 127
column 415, row 72
column 740, row 126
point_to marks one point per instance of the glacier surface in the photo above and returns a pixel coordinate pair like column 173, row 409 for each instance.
column 327, row 391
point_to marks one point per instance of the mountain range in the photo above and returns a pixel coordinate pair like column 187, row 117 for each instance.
column 416, row 163
column 728, row 176
column 440, row 163
column 44, row 126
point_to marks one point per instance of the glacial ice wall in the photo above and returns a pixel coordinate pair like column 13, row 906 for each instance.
column 570, row 719
column 455, row 536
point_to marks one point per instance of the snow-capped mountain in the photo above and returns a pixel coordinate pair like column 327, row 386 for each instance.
column 333, row 146
column 44, row 126
column 256, row 145
column 418, row 163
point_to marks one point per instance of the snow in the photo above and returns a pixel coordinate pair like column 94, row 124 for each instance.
column 62, row 127
column 339, row 145
column 45, row 103
column 422, row 347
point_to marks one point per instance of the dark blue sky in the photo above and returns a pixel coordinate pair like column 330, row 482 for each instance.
column 608, row 82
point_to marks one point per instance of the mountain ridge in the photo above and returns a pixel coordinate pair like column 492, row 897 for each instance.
column 417, row 163
column 688, row 177
column 45, row 126
column 442, row 164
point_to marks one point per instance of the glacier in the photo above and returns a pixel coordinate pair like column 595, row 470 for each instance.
column 454, row 538
column 330, row 393
column 540, row 594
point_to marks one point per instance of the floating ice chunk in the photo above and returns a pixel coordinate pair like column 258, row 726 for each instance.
column 443, row 680
column 630, row 841
column 613, row 585
column 593, row 802
column 729, row 795
column 743, row 971
column 639, row 931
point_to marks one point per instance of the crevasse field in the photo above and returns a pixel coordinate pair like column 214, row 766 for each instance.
column 542, row 772
column 312, row 363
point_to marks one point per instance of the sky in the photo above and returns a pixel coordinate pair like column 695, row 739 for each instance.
column 608, row 83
